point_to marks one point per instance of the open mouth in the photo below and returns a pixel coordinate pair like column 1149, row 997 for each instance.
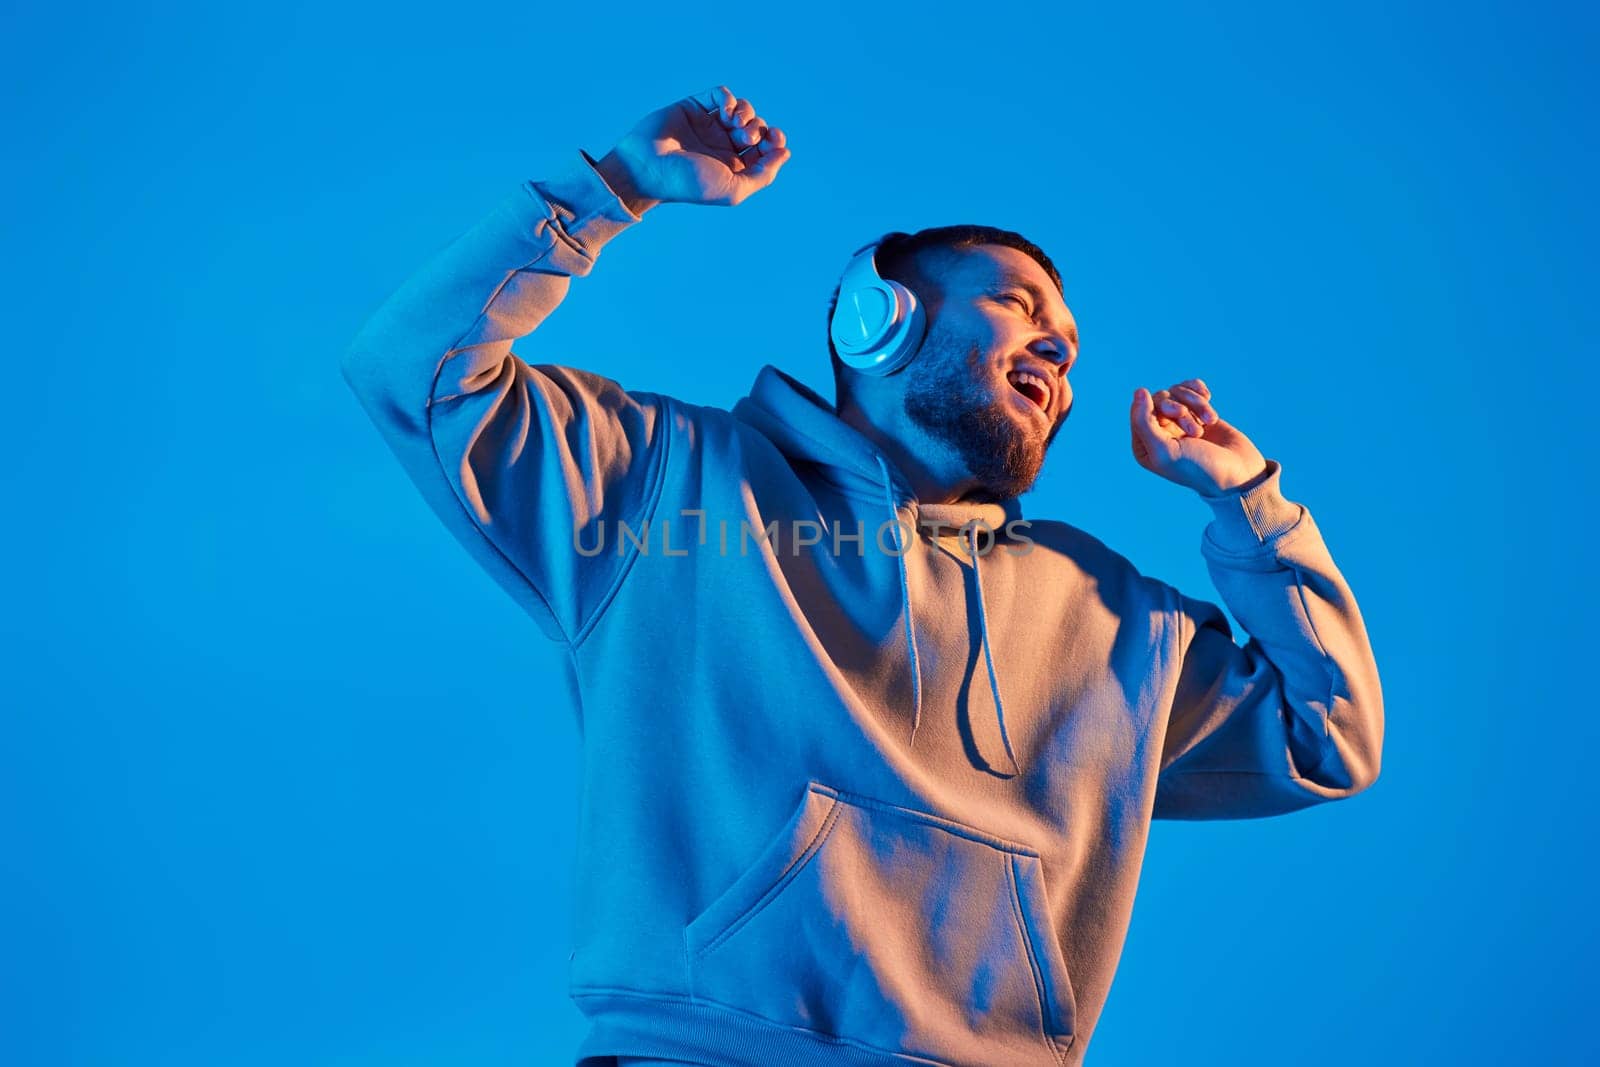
column 1031, row 386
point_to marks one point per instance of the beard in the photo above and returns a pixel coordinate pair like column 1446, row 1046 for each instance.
column 950, row 395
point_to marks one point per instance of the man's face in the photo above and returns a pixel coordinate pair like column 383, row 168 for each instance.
column 994, row 319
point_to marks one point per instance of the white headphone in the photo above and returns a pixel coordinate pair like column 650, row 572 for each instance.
column 878, row 324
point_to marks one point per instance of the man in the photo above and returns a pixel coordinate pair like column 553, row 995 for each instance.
column 869, row 760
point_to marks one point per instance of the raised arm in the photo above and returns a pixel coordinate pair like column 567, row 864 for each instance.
column 519, row 461
column 1293, row 717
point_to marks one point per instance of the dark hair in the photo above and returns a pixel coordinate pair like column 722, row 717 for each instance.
column 896, row 258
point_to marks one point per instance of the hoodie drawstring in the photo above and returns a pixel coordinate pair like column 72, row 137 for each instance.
column 911, row 630
column 905, row 602
column 988, row 656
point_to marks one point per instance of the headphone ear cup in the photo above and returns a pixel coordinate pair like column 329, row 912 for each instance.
column 904, row 298
column 864, row 316
column 878, row 323
column 911, row 325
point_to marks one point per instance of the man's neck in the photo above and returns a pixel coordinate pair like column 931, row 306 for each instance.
column 926, row 467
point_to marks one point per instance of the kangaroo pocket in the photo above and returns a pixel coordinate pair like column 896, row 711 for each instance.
column 892, row 928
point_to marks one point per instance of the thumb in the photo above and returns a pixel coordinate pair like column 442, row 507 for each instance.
column 1148, row 440
column 1143, row 414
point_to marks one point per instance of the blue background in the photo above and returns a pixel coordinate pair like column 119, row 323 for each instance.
column 285, row 779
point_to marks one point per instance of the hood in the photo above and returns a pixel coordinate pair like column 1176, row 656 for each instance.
column 806, row 429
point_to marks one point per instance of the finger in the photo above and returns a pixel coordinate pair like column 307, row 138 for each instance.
column 763, row 140
column 1195, row 402
column 771, row 151
column 718, row 101
column 1177, row 412
column 749, row 134
column 766, row 168
column 733, row 125
column 1146, row 418
column 1198, row 386
column 1143, row 412
column 1150, row 440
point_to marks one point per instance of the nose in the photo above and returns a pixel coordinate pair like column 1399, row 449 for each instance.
column 1046, row 348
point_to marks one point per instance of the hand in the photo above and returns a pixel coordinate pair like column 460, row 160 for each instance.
column 710, row 148
column 1179, row 435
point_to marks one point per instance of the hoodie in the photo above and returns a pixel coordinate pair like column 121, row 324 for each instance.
column 865, row 780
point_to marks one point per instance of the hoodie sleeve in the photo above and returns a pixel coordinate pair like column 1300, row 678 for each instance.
column 1292, row 718
column 520, row 462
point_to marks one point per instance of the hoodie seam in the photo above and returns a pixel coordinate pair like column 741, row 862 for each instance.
column 955, row 827
column 433, row 441
column 1033, row 961
column 544, row 601
column 653, row 493
column 578, row 992
column 1322, row 657
column 567, row 240
column 1219, row 772
column 559, row 230
column 1261, row 551
column 819, row 442
column 1182, row 619
column 774, row 891
column 1271, row 553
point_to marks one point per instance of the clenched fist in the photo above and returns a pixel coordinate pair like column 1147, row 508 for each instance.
column 710, row 148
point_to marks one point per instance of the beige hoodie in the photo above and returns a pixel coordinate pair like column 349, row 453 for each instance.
column 865, row 780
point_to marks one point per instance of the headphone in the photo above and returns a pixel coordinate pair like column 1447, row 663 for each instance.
column 878, row 324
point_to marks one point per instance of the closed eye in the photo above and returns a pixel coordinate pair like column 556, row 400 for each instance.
column 1027, row 309
column 1068, row 354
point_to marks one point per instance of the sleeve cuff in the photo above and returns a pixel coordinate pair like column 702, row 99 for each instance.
column 588, row 210
column 1249, row 515
column 593, row 166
